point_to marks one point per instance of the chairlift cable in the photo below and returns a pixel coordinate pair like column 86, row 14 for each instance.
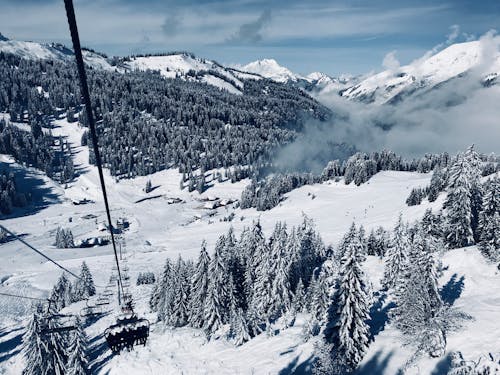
column 70, row 13
column 25, row 297
column 39, row 252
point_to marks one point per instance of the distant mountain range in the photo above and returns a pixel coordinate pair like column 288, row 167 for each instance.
column 387, row 87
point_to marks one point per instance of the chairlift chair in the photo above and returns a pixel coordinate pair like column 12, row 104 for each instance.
column 91, row 310
column 129, row 330
column 64, row 323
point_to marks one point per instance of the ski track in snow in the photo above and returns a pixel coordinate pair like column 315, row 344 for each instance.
column 170, row 230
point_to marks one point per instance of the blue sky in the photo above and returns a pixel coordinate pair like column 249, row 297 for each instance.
column 312, row 35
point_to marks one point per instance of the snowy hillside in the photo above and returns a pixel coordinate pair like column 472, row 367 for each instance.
column 182, row 65
column 161, row 230
column 53, row 51
column 428, row 72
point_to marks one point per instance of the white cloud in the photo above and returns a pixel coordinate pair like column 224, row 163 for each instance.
column 390, row 61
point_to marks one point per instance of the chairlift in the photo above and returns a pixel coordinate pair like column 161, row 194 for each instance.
column 128, row 331
column 60, row 323
column 91, row 310
column 102, row 301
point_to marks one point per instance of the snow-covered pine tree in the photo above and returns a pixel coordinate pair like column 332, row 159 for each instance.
column 437, row 183
column 34, row 348
column 163, row 295
column 299, row 297
column 216, row 308
column 78, row 363
column 56, row 344
column 181, row 295
column 346, row 326
column 418, row 302
column 280, row 289
column 490, row 237
column 199, row 288
column 322, row 290
column 62, row 293
column 458, row 205
column 84, row 287
column 459, row 366
column 396, row 255
column 253, row 244
column 239, row 328
column 489, row 226
column 323, row 362
column 476, row 193
column 261, row 295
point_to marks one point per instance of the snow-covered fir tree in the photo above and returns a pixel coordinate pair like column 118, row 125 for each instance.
column 84, row 287
column 346, row 326
column 34, row 348
column 419, row 312
column 64, row 238
column 396, row 254
column 78, row 363
column 458, row 205
column 179, row 313
column 489, row 225
column 199, row 288
column 62, row 293
column 239, row 328
column 216, row 308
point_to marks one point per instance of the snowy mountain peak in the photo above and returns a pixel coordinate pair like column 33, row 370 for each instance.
column 3, row 38
column 269, row 68
column 427, row 72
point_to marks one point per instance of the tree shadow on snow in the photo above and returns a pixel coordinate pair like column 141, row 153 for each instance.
column 99, row 354
column 443, row 366
column 28, row 182
column 452, row 290
column 377, row 365
column 296, row 368
column 11, row 347
column 379, row 315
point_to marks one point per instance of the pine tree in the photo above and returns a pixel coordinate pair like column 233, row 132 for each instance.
column 322, row 290
column 56, row 344
column 396, row 255
column 418, row 302
column 62, row 293
column 490, row 237
column 162, row 296
column 458, row 366
column 299, row 297
column 34, row 348
column 181, row 295
column 458, row 205
column 239, row 328
column 216, row 309
column 281, row 286
column 77, row 360
column 324, row 364
column 84, row 287
column 199, row 288
column 348, row 312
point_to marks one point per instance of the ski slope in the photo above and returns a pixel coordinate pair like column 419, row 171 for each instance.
column 159, row 230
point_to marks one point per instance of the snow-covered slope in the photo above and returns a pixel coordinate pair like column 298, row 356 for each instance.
column 183, row 65
column 159, row 230
column 428, row 72
column 52, row 51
